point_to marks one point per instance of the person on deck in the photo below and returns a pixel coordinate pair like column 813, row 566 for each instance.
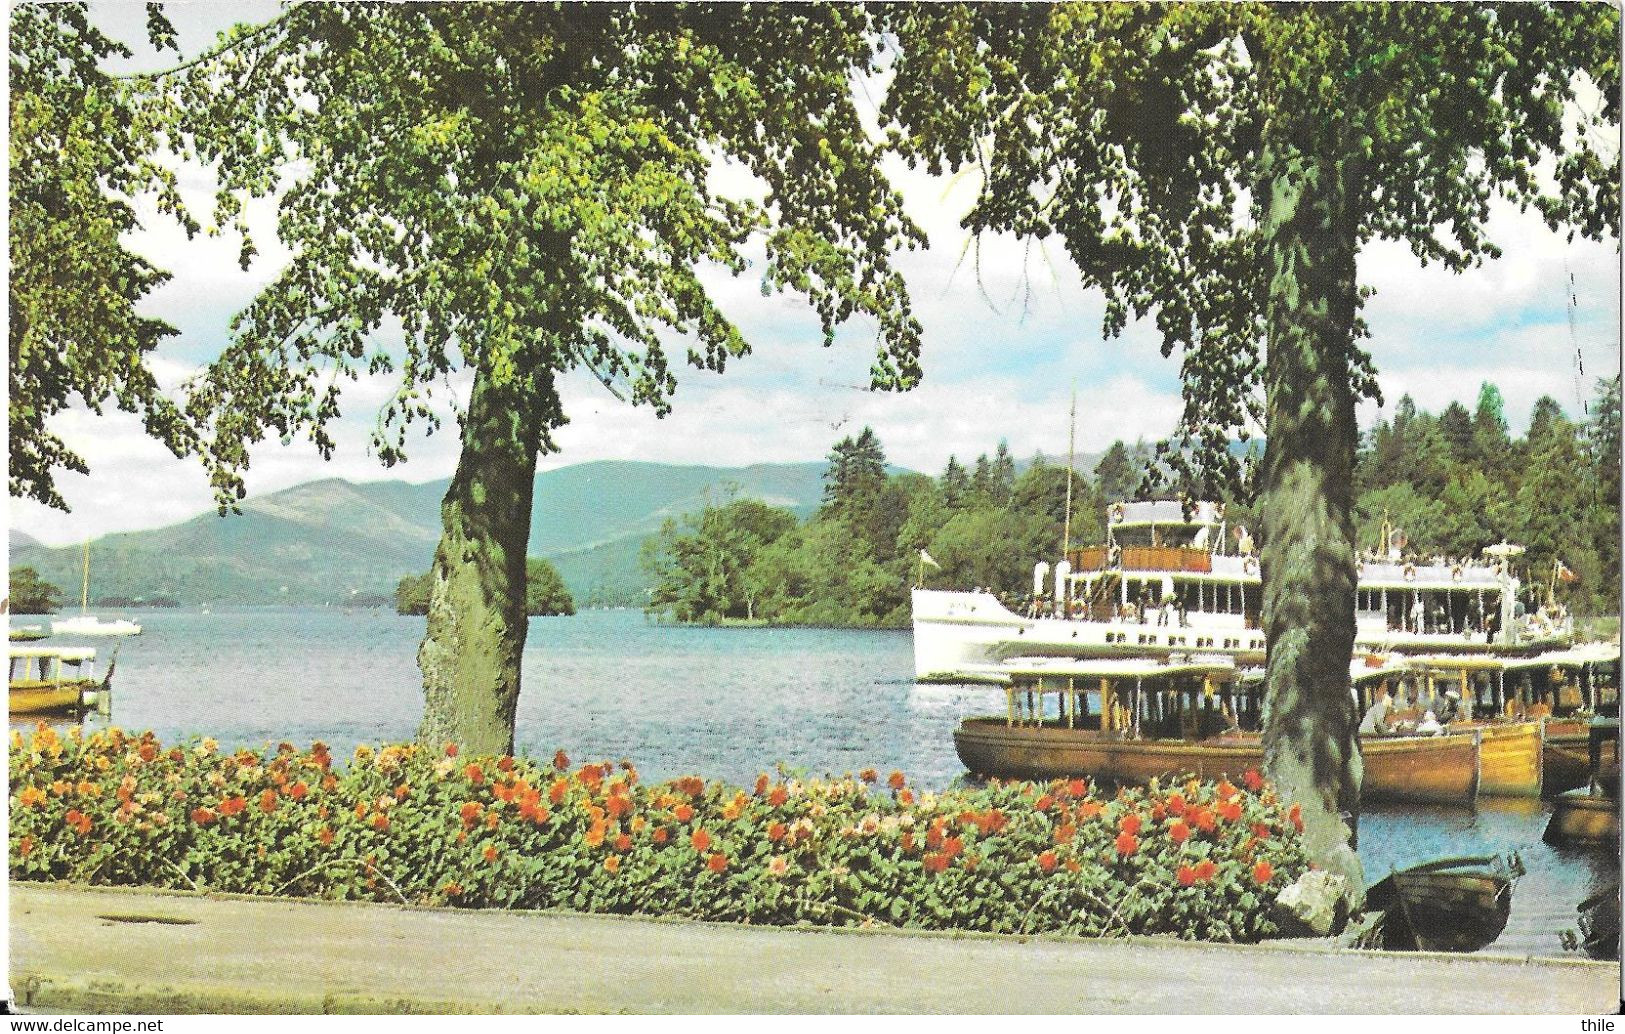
column 1449, row 708
column 1375, row 722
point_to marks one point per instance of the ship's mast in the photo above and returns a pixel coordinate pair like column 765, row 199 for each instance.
column 1071, row 433
column 84, row 587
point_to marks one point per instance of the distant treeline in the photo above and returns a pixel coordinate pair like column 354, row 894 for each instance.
column 545, row 594
column 1455, row 482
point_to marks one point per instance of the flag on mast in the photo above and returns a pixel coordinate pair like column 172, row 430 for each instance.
column 928, row 559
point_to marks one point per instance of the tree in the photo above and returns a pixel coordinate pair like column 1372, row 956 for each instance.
column 1222, row 165
column 525, row 190
column 1490, row 438
column 1456, row 428
column 545, row 592
column 1115, row 474
column 956, row 486
column 30, row 594
column 81, row 154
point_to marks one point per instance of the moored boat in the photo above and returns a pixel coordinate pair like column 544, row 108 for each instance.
column 1129, row 721
column 1453, row 904
column 86, row 624
column 61, row 679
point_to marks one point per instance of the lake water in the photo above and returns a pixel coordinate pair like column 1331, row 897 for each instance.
column 724, row 703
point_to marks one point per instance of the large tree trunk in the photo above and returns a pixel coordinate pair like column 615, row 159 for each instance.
column 1311, row 720
column 477, row 623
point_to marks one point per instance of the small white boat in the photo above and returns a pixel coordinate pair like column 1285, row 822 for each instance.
column 89, row 624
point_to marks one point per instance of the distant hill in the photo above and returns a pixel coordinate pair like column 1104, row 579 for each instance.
column 335, row 540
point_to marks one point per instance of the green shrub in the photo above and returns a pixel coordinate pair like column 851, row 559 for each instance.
column 403, row 823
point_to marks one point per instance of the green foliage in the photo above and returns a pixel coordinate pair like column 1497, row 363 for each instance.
column 526, row 190
column 32, row 595
column 410, row 824
column 545, row 592
column 702, row 566
column 81, row 151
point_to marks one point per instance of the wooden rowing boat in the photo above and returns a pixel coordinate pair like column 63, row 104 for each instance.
column 1599, row 924
column 1564, row 757
column 1413, row 768
column 1453, row 904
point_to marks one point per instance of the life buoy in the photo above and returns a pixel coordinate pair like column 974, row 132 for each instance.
column 1116, row 512
column 1410, row 572
column 1249, row 566
column 1455, row 573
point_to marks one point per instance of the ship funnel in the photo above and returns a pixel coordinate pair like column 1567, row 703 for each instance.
column 1040, row 575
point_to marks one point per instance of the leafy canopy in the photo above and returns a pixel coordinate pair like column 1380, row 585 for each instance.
column 1144, row 133
column 528, row 189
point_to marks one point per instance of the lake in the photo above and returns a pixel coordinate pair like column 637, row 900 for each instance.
column 725, row 703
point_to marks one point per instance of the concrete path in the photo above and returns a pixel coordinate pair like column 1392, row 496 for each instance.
column 75, row 949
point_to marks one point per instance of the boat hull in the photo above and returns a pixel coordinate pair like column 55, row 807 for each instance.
column 1451, row 911
column 1431, row 769
column 1510, row 759
column 53, row 698
column 1565, row 761
column 1583, row 818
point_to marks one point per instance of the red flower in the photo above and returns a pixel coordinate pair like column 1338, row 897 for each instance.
column 474, row 773
column 617, row 806
column 623, row 843
column 777, row 830
column 233, row 805
column 556, row 792
column 1252, row 780
column 952, row 846
column 1261, row 830
column 1178, row 832
column 1043, row 803
column 700, row 839
column 661, row 835
column 298, row 790
column 778, row 796
column 683, row 813
column 505, row 763
column 1263, row 872
column 936, row 862
column 451, row 750
column 717, row 862
column 895, row 780
column 761, row 784
column 1203, row 819
column 1205, row 870
column 1127, row 844
column 148, row 752
column 561, row 761
column 1186, row 876
column 1130, row 824
column 1077, row 788
column 1224, row 790
column 1064, row 832
column 1295, row 813
column 79, row 821
column 1176, row 804
column 1046, row 861
column 490, row 853
column 868, row 775
column 203, row 816
column 1230, row 811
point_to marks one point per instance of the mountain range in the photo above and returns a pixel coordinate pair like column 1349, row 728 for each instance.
column 334, row 541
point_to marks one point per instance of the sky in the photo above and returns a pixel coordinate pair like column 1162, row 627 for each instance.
column 1007, row 339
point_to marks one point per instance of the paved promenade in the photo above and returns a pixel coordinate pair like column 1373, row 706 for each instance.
column 81, row 950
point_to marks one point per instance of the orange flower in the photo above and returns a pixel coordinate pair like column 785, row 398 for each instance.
column 895, row 780
column 1130, row 824
column 761, row 784
column 700, row 839
column 1203, row 819
column 380, row 822
column 297, row 791
column 1205, row 870
column 24, row 846
column 1127, row 844
column 268, row 801
column 31, row 797
column 595, row 835
column 1252, row 780
column 1077, row 788
column 906, row 796
column 1176, row 804
column 717, row 862
column 869, row 775
column 612, row 864
column 233, row 805
column 1046, row 861
column 952, row 846
column 556, row 792
column 561, row 761
column 1186, row 876
column 1230, row 811
column 203, row 816
column 451, row 750
column 452, row 890
column 683, row 813
column 1261, row 830
column 474, row 773
column 1263, row 872
column 1089, row 809
column 361, row 809
column 661, row 835
column 778, row 796
column 402, row 792
column 618, row 806
column 907, row 841
column 1064, row 832
column 936, row 862
column 505, row 763
column 1224, row 790
column 78, row 821
column 1295, row 814
column 329, row 781
column 778, row 865
column 623, row 843
column 148, row 752
column 470, row 813
column 490, row 853
column 1178, row 832
column 1043, row 803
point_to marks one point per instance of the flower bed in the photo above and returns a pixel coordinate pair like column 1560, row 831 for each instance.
column 408, row 824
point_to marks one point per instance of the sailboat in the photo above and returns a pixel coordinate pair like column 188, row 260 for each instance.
column 89, row 624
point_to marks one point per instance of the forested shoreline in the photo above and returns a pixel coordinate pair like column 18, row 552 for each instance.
column 1455, row 482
